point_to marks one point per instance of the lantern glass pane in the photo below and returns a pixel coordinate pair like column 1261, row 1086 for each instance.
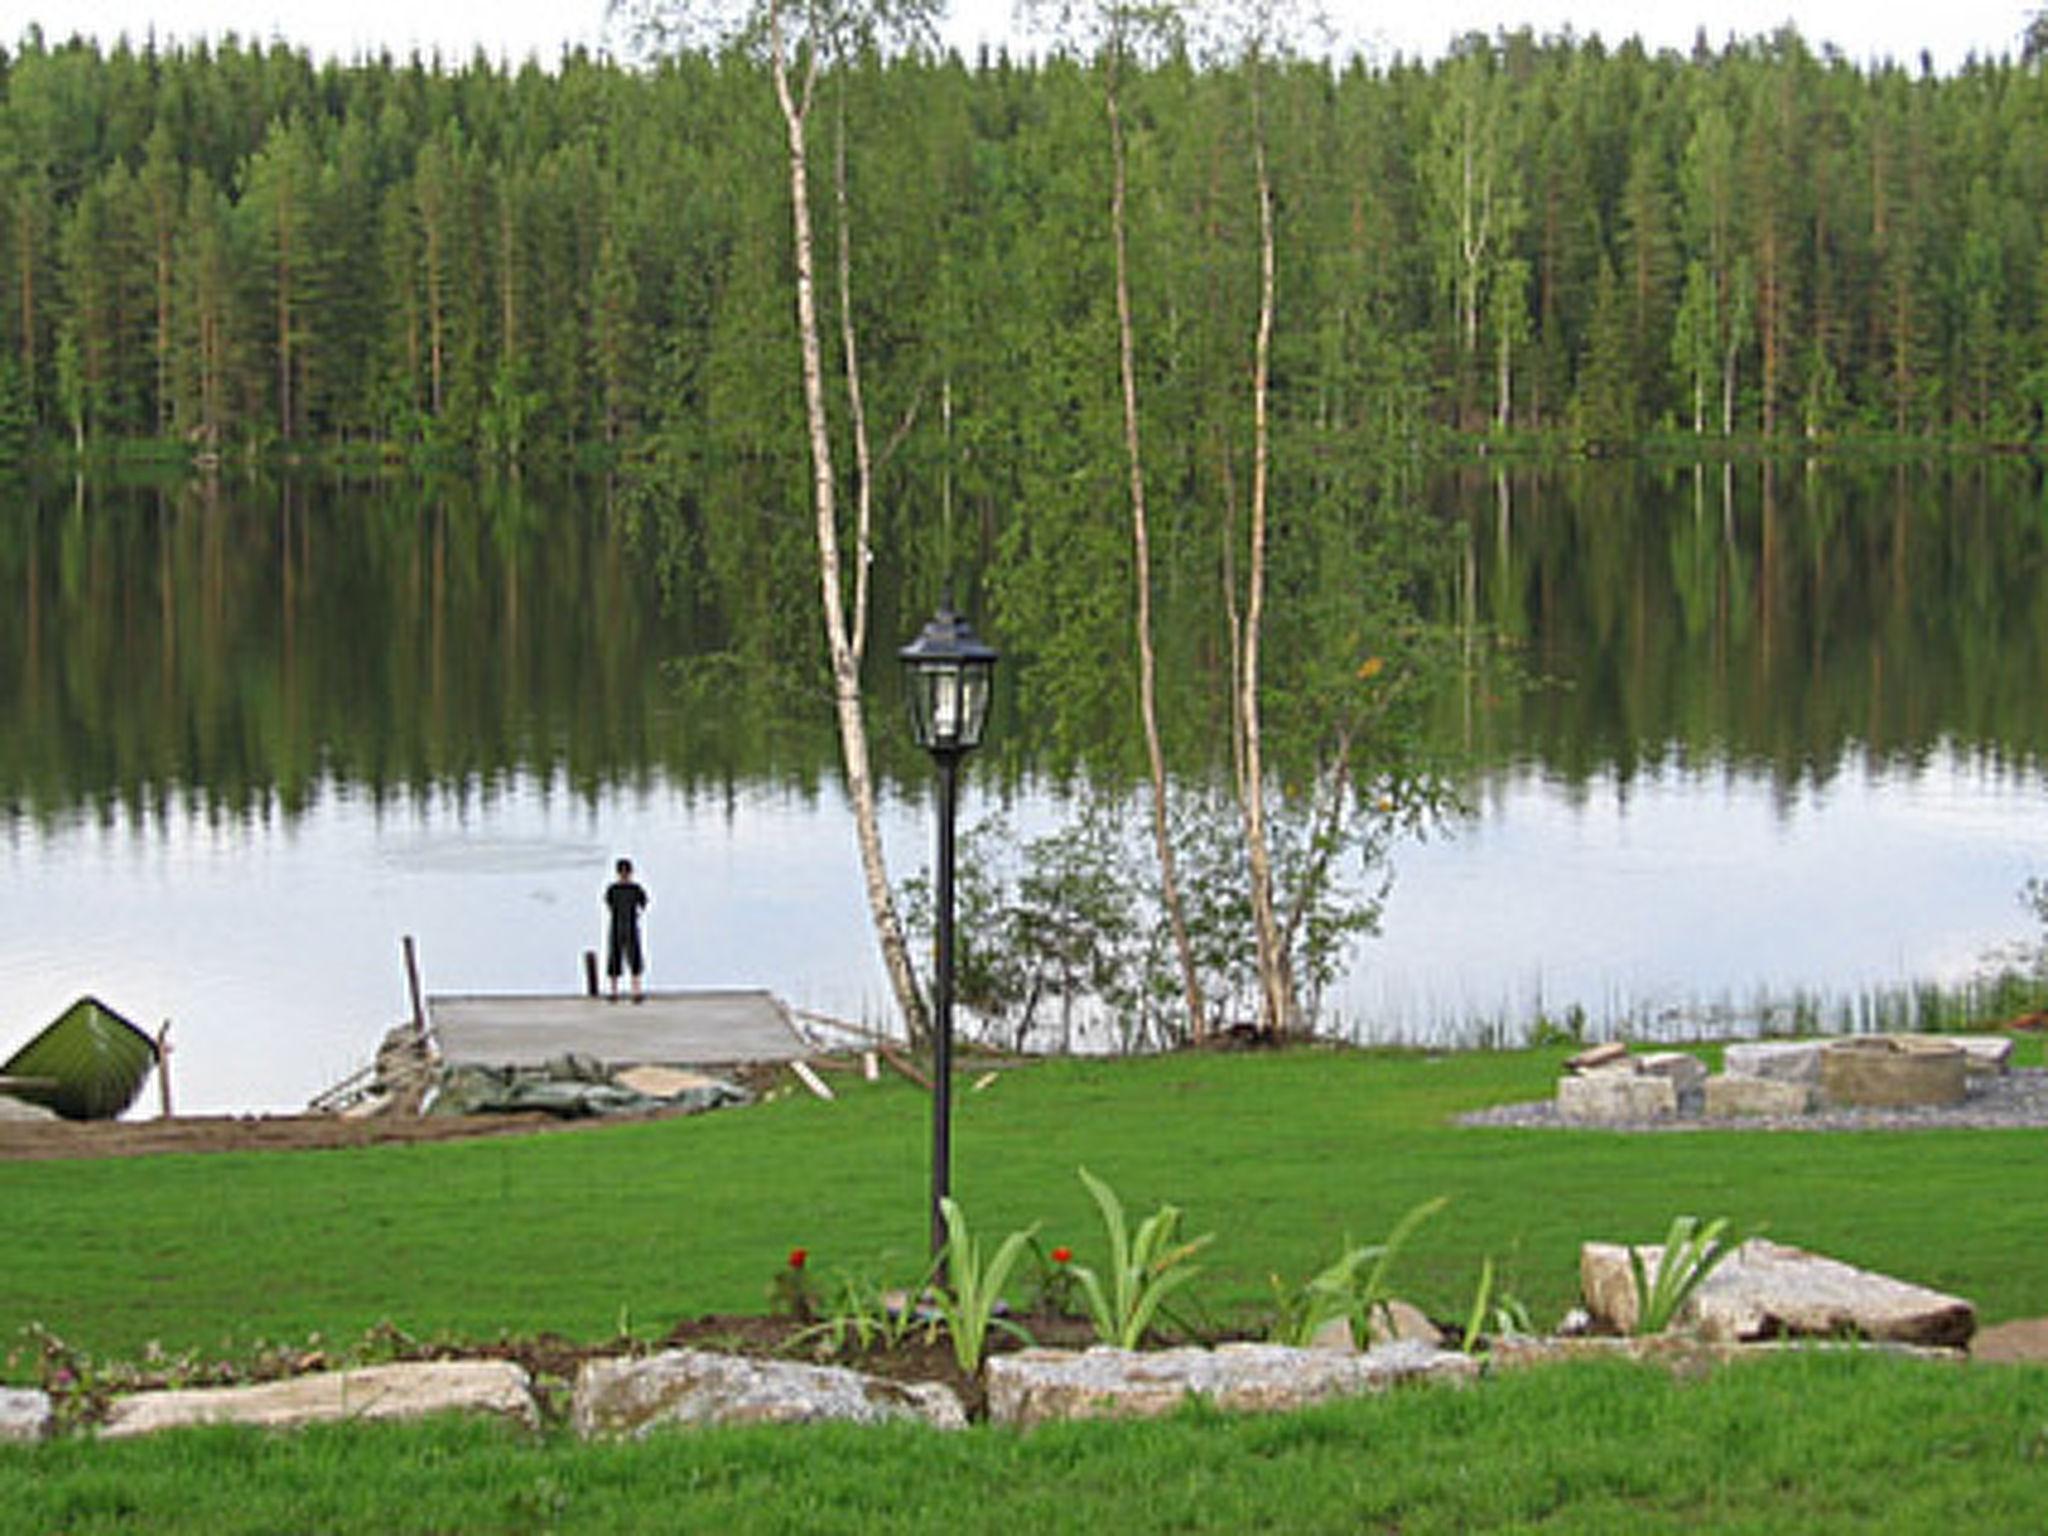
column 974, row 691
column 948, row 701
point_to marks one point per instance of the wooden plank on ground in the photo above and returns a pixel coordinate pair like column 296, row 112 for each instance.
column 811, row 1080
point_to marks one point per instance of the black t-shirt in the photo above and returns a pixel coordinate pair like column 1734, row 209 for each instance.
column 625, row 898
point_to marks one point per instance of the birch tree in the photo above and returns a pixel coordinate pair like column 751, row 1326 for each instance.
column 1114, row 30
column 801, row 39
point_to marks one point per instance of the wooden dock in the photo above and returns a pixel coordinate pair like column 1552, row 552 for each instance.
column 680, row 1029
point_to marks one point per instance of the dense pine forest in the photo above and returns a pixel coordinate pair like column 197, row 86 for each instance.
column 235, row 248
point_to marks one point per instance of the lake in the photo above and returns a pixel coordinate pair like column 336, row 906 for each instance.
column 1779, row 757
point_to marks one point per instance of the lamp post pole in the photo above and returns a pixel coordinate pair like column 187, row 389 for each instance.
column 949, row 672
column 948, row 763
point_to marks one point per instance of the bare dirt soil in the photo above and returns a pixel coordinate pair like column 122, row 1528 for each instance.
column 22, row 1141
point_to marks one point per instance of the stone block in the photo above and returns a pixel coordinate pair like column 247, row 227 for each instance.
column 24, row 1415
column 1791, row 1061
column 1688, row 1075
column 1765, row 1290
column 1615, row 1098
column 1041, row 1386
column 1983, row 1055
column 688, row 1388
column 1735, row 1098
column 408, row 1391
column 1893, row 1071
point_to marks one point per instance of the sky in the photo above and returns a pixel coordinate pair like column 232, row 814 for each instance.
column 1865, row 31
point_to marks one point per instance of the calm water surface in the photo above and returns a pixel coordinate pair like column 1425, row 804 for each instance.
column 251, row 749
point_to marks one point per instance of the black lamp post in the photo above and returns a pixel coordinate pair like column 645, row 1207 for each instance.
column 949, row 671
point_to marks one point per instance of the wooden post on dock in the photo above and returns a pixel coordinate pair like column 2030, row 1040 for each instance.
column 590, row 972
column 163, row 1068
column 412, row 981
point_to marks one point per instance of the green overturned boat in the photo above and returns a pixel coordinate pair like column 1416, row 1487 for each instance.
column 89, row 1065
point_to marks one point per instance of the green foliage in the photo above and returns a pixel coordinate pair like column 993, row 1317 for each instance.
column 1494, row 1313
column 1787, row 1446
column 970, row 1292
column 862, row 1313
column 490, row 1238
column 1690, row 1254
column 1145, row 1268
column 1533, row 232
column 1354, row 1287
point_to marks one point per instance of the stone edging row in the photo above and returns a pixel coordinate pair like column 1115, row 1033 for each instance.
column 629, row 1397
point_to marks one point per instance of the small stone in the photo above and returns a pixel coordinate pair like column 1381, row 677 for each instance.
column 1400, row 1322
column 1725, row 1097
column 1392, row 1322
column 1615, row 1098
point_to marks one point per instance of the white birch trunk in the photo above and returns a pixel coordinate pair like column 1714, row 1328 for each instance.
column 844, row 648
column 1276, row 974
column 1141, row 553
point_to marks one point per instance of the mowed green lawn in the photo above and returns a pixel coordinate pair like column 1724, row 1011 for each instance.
column 1281, row 1156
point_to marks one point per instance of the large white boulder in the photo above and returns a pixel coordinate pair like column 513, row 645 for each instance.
column 1039, row 1386
column 406, row 1391
column 24, row 1414
column 1766, row 1290
column 694, row 1388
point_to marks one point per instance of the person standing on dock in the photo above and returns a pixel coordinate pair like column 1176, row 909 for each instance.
column 624, row 898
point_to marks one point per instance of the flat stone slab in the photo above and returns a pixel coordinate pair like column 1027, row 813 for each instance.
column 1042, row 1386
column 670, row 1029
column 1766, row 1290
column 24, row 1415
column 406, row 1391
column 689, row 1388
column 1686, row 1356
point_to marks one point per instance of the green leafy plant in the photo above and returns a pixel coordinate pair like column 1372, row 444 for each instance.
column 972, row 1288
column 864, row 1314
column 1055, row 1288
column 1691, row 1253
column 1145, row 1267
column 1353, row 1287
column 1495, row 1313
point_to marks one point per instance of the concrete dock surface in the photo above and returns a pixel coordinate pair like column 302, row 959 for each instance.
column 695, row 1028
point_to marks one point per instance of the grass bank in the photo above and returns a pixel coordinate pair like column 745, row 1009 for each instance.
column 631, row 1227
column 1802, row 1444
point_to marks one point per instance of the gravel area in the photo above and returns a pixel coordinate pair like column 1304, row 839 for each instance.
column 2017, row 1100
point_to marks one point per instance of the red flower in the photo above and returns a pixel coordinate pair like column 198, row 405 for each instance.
column 1062, row 1255
column 798, row 1257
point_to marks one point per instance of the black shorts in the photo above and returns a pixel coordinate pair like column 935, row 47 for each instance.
column 623, row 952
